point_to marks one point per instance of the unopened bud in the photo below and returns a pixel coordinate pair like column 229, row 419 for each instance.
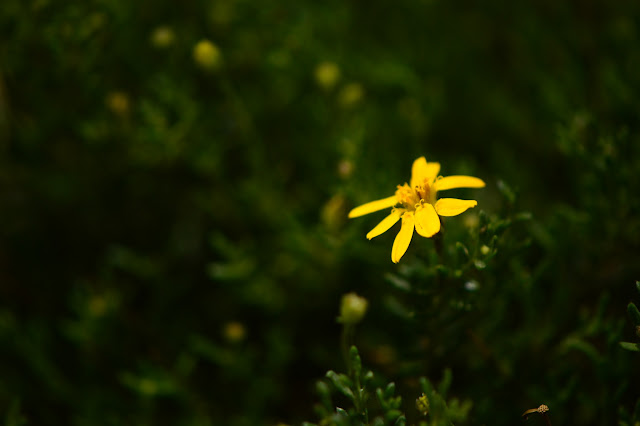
column 345, row 168
column 334, row 212
column 118, row 103
column 207, row 55
column 351, row 94
column 352, row 309
column 162, row 37
column 97, row 306
column 471, row 220
column 327, row 75
column 234, row 332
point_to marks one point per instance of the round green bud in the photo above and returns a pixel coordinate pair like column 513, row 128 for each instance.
column 207, row 55
column 162, row 37
column 351, row 94
column 327, row 74
column 352, row 308
column 234, row 331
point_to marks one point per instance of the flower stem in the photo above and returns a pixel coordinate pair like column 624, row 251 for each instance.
column 438, row 240
column 345, row 344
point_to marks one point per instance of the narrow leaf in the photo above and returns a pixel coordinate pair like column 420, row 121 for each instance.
column 633, row 314
column 635, row 347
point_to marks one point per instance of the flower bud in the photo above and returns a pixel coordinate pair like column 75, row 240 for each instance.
column 118, row 102
column 352, row 309
column 207, row 55
column 162, row 37
column 97, row 306
column 327, row 75
column 345, row 168
column 351, row 94
column 471, row 220
column 234, row 332
column 334, row 212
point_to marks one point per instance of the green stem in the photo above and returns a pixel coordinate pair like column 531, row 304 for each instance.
column 345, row 344
column 438, row 241
column 357, row 400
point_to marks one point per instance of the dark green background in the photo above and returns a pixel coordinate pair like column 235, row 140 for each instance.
column 129, row 240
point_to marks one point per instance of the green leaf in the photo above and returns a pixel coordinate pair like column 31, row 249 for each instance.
column 636, row 411
column 14, row 416
column 392, row 415
column 426, row 387
column 443, row 270
column 325, row 395
column 506, row 191
column 635, row 347
column 396, row 402
column 210, row 351
column 585, row 347
column 342, row 383
column 484, row 218
column 499, row 227
column 381, row 398
column 342, row 413
column 634, row 314
column 523, row 216
column 402, row 421
column 462, row 250
column 378, row 422
column 445, row 384
column 398, row 282
column 367, row 377
column 390, row 390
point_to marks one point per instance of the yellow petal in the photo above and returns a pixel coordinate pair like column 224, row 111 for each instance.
column 422, row 170
column 427, row 221
column 432, row 171
column 373, row 206
column 386, row 223
column 453, row 206
column 451, row 182
column 401, row 243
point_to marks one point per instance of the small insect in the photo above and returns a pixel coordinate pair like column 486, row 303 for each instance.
column 543, row 409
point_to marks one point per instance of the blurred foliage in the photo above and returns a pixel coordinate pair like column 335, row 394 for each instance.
column 634, row 316
column 174, row 183
column 357, row 388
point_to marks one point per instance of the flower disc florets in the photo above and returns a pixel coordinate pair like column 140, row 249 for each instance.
column 412, row 198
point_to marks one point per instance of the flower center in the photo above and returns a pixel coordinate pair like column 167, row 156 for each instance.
column 411, row 198
column 424, row 192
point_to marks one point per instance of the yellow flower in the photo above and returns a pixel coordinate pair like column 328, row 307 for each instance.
column 417, row 206
column 422, row 404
